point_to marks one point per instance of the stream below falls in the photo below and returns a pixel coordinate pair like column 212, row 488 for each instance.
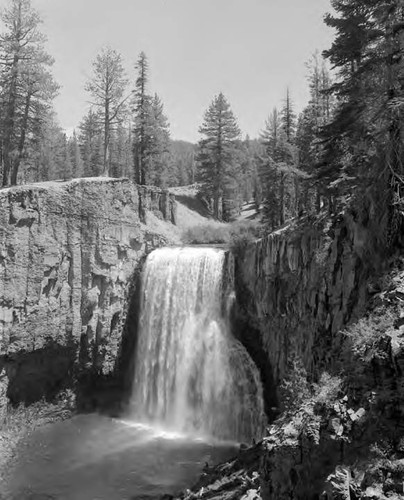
column 91, row 457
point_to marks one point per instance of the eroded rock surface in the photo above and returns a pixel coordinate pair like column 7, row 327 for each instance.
column 301, row 285
column 67, row 254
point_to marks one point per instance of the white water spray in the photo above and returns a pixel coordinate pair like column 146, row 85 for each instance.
column 191, row 374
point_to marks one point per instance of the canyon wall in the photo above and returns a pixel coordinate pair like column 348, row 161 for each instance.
column 299, row 286
column 298, row 290
column 68, row 251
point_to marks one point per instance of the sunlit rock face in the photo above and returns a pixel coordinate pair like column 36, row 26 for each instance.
column 191, row 373
column 67, row 252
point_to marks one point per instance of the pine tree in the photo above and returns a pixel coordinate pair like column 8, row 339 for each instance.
column 26, row 85
column 91, row 142
column 216, row 155
column 288, row 118
column 159, row 146
column 277, row 171
column 316, row 115
column 366, row 130
column 142, row 120
column 107, row 89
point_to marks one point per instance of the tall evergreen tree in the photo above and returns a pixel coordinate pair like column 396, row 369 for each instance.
column 107, row 89
column 315, row 116
column 288, row 118
column 142, row 119
column 26, row 85
column 277, row 171
column 216, row 155
column 91, row 141
column 159, row 146
column 366, row 131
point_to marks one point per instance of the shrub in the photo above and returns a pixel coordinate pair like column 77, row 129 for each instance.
column 365, row 334
column 236, row 234
column 298, row 394
column 211, row 232
column 243, row 233
column 294, row 388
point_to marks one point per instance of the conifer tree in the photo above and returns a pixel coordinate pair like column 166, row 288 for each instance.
column 159, row 145
column 75, row 156
column 107, row 89
column 90, row 141
column 26, row 85
column 216, row 155
column 288, row 118
column 366, row 131
column 316, row 115
column 142, row 120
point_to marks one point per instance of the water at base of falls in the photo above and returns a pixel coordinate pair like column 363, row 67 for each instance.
column 191, row 374
column 91, row 457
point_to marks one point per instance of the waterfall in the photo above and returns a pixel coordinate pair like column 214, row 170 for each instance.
column 191, row 374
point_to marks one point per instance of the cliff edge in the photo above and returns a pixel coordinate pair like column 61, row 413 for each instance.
column 68, row 251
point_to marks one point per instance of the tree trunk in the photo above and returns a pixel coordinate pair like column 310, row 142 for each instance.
column 21, row 144
column 105, row 167
column 9, row 122
column 282, row 200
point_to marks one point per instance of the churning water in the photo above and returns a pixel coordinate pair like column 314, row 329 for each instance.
column 191, row 374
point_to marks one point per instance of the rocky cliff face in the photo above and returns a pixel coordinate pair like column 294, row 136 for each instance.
column 299, row 286
column 298, row 289
column 343, row 436
column 67, row 253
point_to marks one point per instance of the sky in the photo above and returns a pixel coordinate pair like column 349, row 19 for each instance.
column 250, row 50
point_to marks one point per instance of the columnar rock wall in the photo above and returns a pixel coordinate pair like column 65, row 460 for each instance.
column 67, row 253
column 300, row 286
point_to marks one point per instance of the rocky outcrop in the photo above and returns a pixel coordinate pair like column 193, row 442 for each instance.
column 301, row 292
column 67, row 253
column 299, row 286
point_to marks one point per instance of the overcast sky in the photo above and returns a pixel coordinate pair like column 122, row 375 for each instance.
column 251, row 50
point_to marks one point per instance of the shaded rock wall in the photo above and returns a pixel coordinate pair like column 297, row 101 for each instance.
column 67, row 253
column 299, row 286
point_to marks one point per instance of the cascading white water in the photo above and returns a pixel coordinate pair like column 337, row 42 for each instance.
column 191, row 374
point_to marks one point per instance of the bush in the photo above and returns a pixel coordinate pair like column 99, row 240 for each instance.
column 235, row 234
column 298, row 394
column 365, row 334
column 211, row 232
column 244, row 233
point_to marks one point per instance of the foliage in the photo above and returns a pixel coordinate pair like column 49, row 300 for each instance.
column 107, row 90
column 211, row 232
column 278, row 167
column 315, row 116
column 27, row 88
column 294, row 388
column 362, row 144
column 182, row 163
column 217, row 168
column 22, row 418
column 242, row 234
column 236, row 234
column 298, row 394
column 151, row 135
column 365, row 333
